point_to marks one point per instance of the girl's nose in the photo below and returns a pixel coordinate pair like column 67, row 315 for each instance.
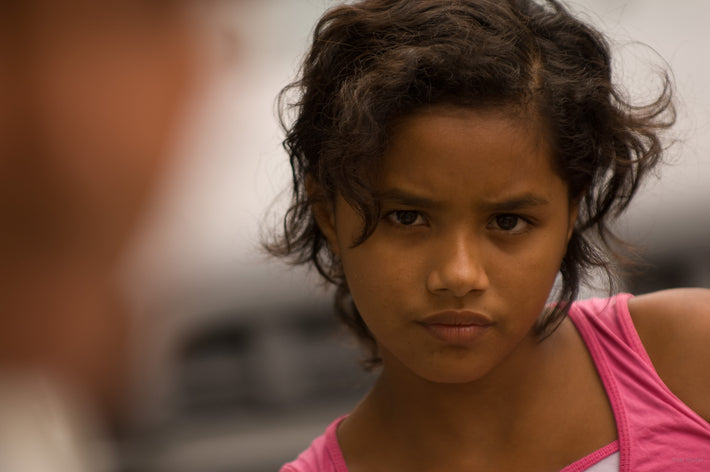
column 458, row 269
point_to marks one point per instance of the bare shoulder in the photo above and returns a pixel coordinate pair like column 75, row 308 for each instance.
column 674, row 327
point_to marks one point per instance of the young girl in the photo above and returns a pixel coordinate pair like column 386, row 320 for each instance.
column 451, row 159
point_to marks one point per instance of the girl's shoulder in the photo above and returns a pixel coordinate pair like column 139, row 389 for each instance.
column 674, row 327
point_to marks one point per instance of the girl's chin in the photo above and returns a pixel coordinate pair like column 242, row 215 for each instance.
column 453, row 377
column 451, row 372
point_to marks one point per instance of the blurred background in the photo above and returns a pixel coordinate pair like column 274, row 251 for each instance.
column 238, row 362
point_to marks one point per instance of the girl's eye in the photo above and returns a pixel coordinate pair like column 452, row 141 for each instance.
column 510, row 223
column 406, row 217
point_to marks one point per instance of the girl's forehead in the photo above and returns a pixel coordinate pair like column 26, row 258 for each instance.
column 519, row 118
column 526, row 130
column 453, row 150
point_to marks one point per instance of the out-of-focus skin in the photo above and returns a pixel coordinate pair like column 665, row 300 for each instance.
column 90, row 96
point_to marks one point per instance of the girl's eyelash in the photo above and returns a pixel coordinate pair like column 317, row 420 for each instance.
column 414, row 218
column 517, row 220
column 411, row 217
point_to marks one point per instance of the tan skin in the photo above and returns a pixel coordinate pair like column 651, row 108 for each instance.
column 475, row 219
column 94, row 93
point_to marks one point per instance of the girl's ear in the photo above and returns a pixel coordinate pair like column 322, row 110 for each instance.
column 323, row 209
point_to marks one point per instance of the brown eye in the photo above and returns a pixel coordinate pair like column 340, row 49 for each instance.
column 507, row 222
column 405, row 217
column 510, row 224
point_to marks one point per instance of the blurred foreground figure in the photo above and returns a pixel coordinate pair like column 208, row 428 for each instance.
column 90, row 94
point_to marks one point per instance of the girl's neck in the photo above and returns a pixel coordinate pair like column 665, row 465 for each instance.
column 497, row 400
column 434, row 420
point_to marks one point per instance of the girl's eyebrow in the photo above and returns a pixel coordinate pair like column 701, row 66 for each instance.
column 402, row 197
column 514, row 203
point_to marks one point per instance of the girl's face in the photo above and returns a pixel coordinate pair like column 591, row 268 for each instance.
column 475, row 225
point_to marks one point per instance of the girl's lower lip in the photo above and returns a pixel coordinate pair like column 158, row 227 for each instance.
column 456, row 334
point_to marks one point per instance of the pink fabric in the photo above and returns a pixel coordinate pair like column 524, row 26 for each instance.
column 324, row 454
column 656, row 431
column 591, row 459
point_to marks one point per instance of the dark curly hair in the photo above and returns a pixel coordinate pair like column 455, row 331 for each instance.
column 373, row 62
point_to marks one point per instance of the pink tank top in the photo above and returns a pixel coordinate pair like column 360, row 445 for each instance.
column 656, row 431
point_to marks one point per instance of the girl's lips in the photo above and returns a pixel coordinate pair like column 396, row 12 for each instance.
column 457, row 327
